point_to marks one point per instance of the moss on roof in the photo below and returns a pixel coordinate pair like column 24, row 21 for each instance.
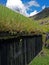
column 13, row 22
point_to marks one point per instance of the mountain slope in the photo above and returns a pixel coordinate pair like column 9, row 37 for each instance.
column 41, row 15
column 42, row 19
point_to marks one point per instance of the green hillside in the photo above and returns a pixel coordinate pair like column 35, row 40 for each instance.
column 41, row 15
column 14, row 22
column 42, row 18
column 44, row 23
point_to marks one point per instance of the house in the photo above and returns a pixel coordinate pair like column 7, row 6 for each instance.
column 19, row 50
column 18, row 42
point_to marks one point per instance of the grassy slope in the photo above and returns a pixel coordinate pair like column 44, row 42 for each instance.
column 13, row 22
column 42, row 14
column 43, row 19
column 44, row 23
column 41, row 60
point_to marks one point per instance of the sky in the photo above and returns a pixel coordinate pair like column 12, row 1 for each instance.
column 26, row 7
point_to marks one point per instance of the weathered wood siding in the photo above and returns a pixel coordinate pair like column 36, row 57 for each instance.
column 19, row 51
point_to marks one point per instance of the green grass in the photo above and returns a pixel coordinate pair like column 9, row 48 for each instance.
column 45, row 25
column 41, row 60
column 12, row 21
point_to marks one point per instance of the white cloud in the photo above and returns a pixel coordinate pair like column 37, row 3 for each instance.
column 43, row 7
column 33, row 3
column 33, row 13
column 19, row 6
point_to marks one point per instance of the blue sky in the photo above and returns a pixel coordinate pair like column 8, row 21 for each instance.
column 3, row 2
column 40, row 2
column 31, row 6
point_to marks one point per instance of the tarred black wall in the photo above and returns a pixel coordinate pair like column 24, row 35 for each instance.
column 20, row 50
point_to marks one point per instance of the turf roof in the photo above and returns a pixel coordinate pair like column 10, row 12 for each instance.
column 14, row 23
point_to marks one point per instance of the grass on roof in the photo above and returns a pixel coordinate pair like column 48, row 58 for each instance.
column 12, row 21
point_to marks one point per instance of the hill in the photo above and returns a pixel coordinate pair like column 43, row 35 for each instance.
column 43, row 14
column 42, row 19
column 14, row 22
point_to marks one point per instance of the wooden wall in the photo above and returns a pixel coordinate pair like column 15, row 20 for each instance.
column 20, row 51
